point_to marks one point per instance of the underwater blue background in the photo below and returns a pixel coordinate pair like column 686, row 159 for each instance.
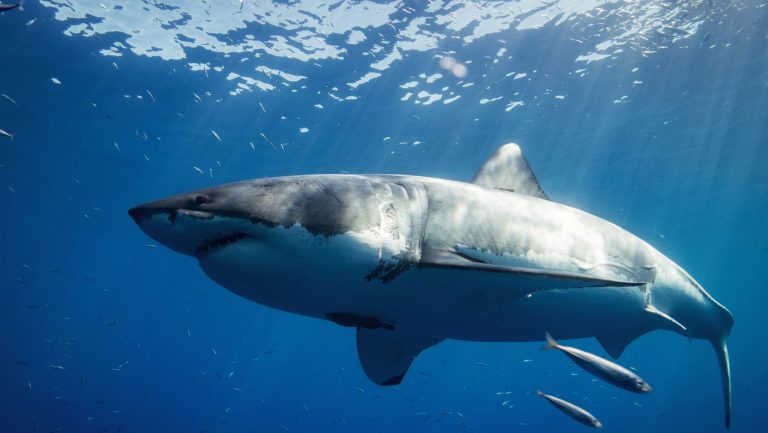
column 148, row 343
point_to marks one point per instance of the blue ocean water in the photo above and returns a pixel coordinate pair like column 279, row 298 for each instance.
column 652, row 115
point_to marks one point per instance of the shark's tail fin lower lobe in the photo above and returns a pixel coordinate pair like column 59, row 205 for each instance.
column 721, row 350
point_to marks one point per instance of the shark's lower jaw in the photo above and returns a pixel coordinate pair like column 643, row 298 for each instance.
column 212, row 245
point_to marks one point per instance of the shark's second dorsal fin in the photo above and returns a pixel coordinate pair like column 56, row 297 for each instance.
column 507, row 169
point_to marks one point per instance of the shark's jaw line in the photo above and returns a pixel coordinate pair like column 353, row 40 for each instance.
column 218, row 243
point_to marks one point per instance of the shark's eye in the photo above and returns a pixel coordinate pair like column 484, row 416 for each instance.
column 200, row 199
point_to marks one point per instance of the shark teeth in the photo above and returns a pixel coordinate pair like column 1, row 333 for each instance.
column 220, row 242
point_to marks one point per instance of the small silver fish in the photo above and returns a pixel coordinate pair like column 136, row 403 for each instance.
column 5, row 133
column 602, row 368
column 6, row 8
column 572, row 410
column 216, row 135
column 8, row 98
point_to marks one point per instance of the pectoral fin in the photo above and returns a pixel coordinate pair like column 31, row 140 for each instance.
column 526, row 279
column 385, row 355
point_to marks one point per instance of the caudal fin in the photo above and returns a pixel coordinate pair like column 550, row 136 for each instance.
column 551, row 343
column 721, row 350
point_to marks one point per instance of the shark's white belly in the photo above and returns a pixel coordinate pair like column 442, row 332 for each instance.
column 316, row 276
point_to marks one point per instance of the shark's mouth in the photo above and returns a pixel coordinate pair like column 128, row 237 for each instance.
column 216, row 244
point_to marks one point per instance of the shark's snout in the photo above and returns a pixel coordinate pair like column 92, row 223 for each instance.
column 139, row 213
column 166, row 208
column 190, row 224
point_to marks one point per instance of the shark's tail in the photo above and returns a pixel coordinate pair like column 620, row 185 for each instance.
column 721, row 350
column 551, row 343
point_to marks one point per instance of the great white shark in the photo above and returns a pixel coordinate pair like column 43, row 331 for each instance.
column 410, row 261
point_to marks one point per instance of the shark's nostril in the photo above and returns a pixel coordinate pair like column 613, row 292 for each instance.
column 141, row 213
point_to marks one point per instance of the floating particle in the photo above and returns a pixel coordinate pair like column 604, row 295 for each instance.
column 458, row 69
column 8, row 98
column 5, row 133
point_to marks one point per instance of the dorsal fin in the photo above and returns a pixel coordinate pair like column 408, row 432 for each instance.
column 507, row 169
